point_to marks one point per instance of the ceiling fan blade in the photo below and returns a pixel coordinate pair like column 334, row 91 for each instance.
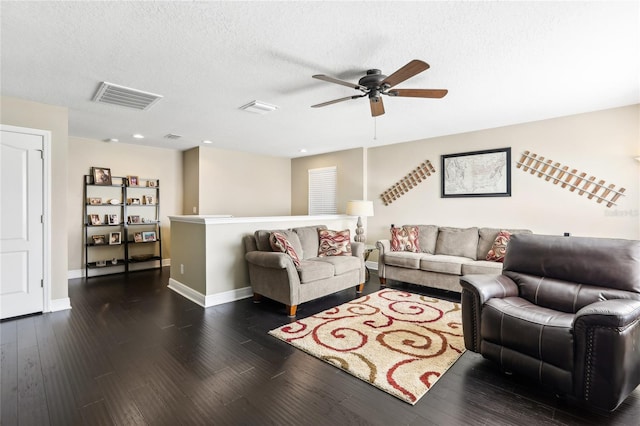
column 418, row 93
column 412, row 68
column 335, row 101
column 341, row 82
column 377, row 107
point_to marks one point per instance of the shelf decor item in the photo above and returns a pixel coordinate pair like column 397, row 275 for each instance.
column 101, row 263
column 133, row 180
column 148, row 200
column 149, row 236
column 137, row 237
column 98, row 239
column 115, row 238
column 114, row 201
column 94, row 219
column 101, row 175
column 151, row 183
column 95, row 201
column 134, row 219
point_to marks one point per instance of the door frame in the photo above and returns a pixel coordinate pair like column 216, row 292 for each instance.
column 46, row 206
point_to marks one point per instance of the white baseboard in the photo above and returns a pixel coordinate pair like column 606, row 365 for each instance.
column 212, row 299
column 79, row 273
column 371, row 265
column 59, row 304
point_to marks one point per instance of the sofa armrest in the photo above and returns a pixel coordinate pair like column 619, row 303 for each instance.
column 357, row 249
column 607, row 359
column 270, row 259
column 383, row 246
column 476, row 290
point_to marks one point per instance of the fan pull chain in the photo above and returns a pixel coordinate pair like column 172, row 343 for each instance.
column 375, row 128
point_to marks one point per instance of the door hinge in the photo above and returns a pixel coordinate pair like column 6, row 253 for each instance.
column 41, row 218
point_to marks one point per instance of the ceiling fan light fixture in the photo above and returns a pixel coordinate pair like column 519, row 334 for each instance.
column 258, row 107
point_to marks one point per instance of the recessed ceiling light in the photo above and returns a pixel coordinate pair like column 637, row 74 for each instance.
column 111, row 140
column 138, row 136
column 303, row 150
column 207, row 141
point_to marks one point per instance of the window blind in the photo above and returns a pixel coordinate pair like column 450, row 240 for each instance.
column 322, row 191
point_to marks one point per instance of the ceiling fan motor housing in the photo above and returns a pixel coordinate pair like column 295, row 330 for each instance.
column 372, row 80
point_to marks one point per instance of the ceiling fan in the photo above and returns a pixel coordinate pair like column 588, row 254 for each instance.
column 375, row 84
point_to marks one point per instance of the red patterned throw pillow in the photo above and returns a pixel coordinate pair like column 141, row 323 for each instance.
column 279, row 243
column 334, row 243
column 499, row 248
column 405, row 239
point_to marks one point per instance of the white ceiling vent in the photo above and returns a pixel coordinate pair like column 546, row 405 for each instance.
column 259, row 107
column 109, row 93
column 172, row 136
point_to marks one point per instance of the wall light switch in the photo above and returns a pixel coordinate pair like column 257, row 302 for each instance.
column 195, row 210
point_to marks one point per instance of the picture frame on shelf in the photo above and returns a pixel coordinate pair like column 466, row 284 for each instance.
column 148, row 236
column 151, row 183
column 95, row 201
column 148, row 200
column 94, row 219
column 101, row 263
column 98, row 240
column 133, row 181
column 134, row 201
column 101, row 175
column 137, row 237
column 134, row 219
column 112, row 219
column 115, row 238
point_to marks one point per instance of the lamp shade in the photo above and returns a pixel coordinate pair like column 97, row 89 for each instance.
column 360, row 208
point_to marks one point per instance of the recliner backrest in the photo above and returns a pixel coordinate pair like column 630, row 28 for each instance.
column 567, row 273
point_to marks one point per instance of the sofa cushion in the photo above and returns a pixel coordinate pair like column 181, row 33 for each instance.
column 499, row 248
column 280, row 243
column 341, row 264
column 263, row 244
column 310, row 270
column 403, row 259
column 487, row 236
column 427, row 237
column 457, row 242
column 309, row 240
column 334, row 243
column 482, row 267
column 405, row 239
column 443, row 264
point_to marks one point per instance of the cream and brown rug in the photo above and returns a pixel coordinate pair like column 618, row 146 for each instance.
column 399, row 342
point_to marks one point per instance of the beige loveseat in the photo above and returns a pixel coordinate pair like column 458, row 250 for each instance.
column 274, row 275
column 446, row 253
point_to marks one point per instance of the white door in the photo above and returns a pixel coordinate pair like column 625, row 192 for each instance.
column 21, row 227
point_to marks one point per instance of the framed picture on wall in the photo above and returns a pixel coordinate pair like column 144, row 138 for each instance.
column 477, row 174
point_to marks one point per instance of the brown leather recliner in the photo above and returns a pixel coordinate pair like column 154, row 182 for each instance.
column 565, row 312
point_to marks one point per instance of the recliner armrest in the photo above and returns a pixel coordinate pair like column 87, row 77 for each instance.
column 489, row 286
column 476, row 290
column 269, row 259
column 617, row 313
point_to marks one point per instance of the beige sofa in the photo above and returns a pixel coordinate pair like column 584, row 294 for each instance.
column 274, row 275
column 446, row 253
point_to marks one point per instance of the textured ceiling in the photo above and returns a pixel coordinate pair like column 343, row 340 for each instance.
column 502, row 62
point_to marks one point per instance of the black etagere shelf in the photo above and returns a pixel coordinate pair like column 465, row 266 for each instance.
column 122, row 228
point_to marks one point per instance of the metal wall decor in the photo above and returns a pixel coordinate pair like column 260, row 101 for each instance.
column 572, row 180
column 408, row 182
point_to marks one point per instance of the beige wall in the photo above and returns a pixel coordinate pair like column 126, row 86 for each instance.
column 243, row 184
column 191, row 181
column 18, row 112
column 123, row 160
column 351, row 179
column 602, row 144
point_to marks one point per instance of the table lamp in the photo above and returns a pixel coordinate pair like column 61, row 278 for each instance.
column 360, row 208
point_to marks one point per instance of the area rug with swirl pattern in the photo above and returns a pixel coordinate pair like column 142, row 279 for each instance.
column 399, row 342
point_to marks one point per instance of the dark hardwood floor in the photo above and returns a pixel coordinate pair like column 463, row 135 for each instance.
column 133, row 352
